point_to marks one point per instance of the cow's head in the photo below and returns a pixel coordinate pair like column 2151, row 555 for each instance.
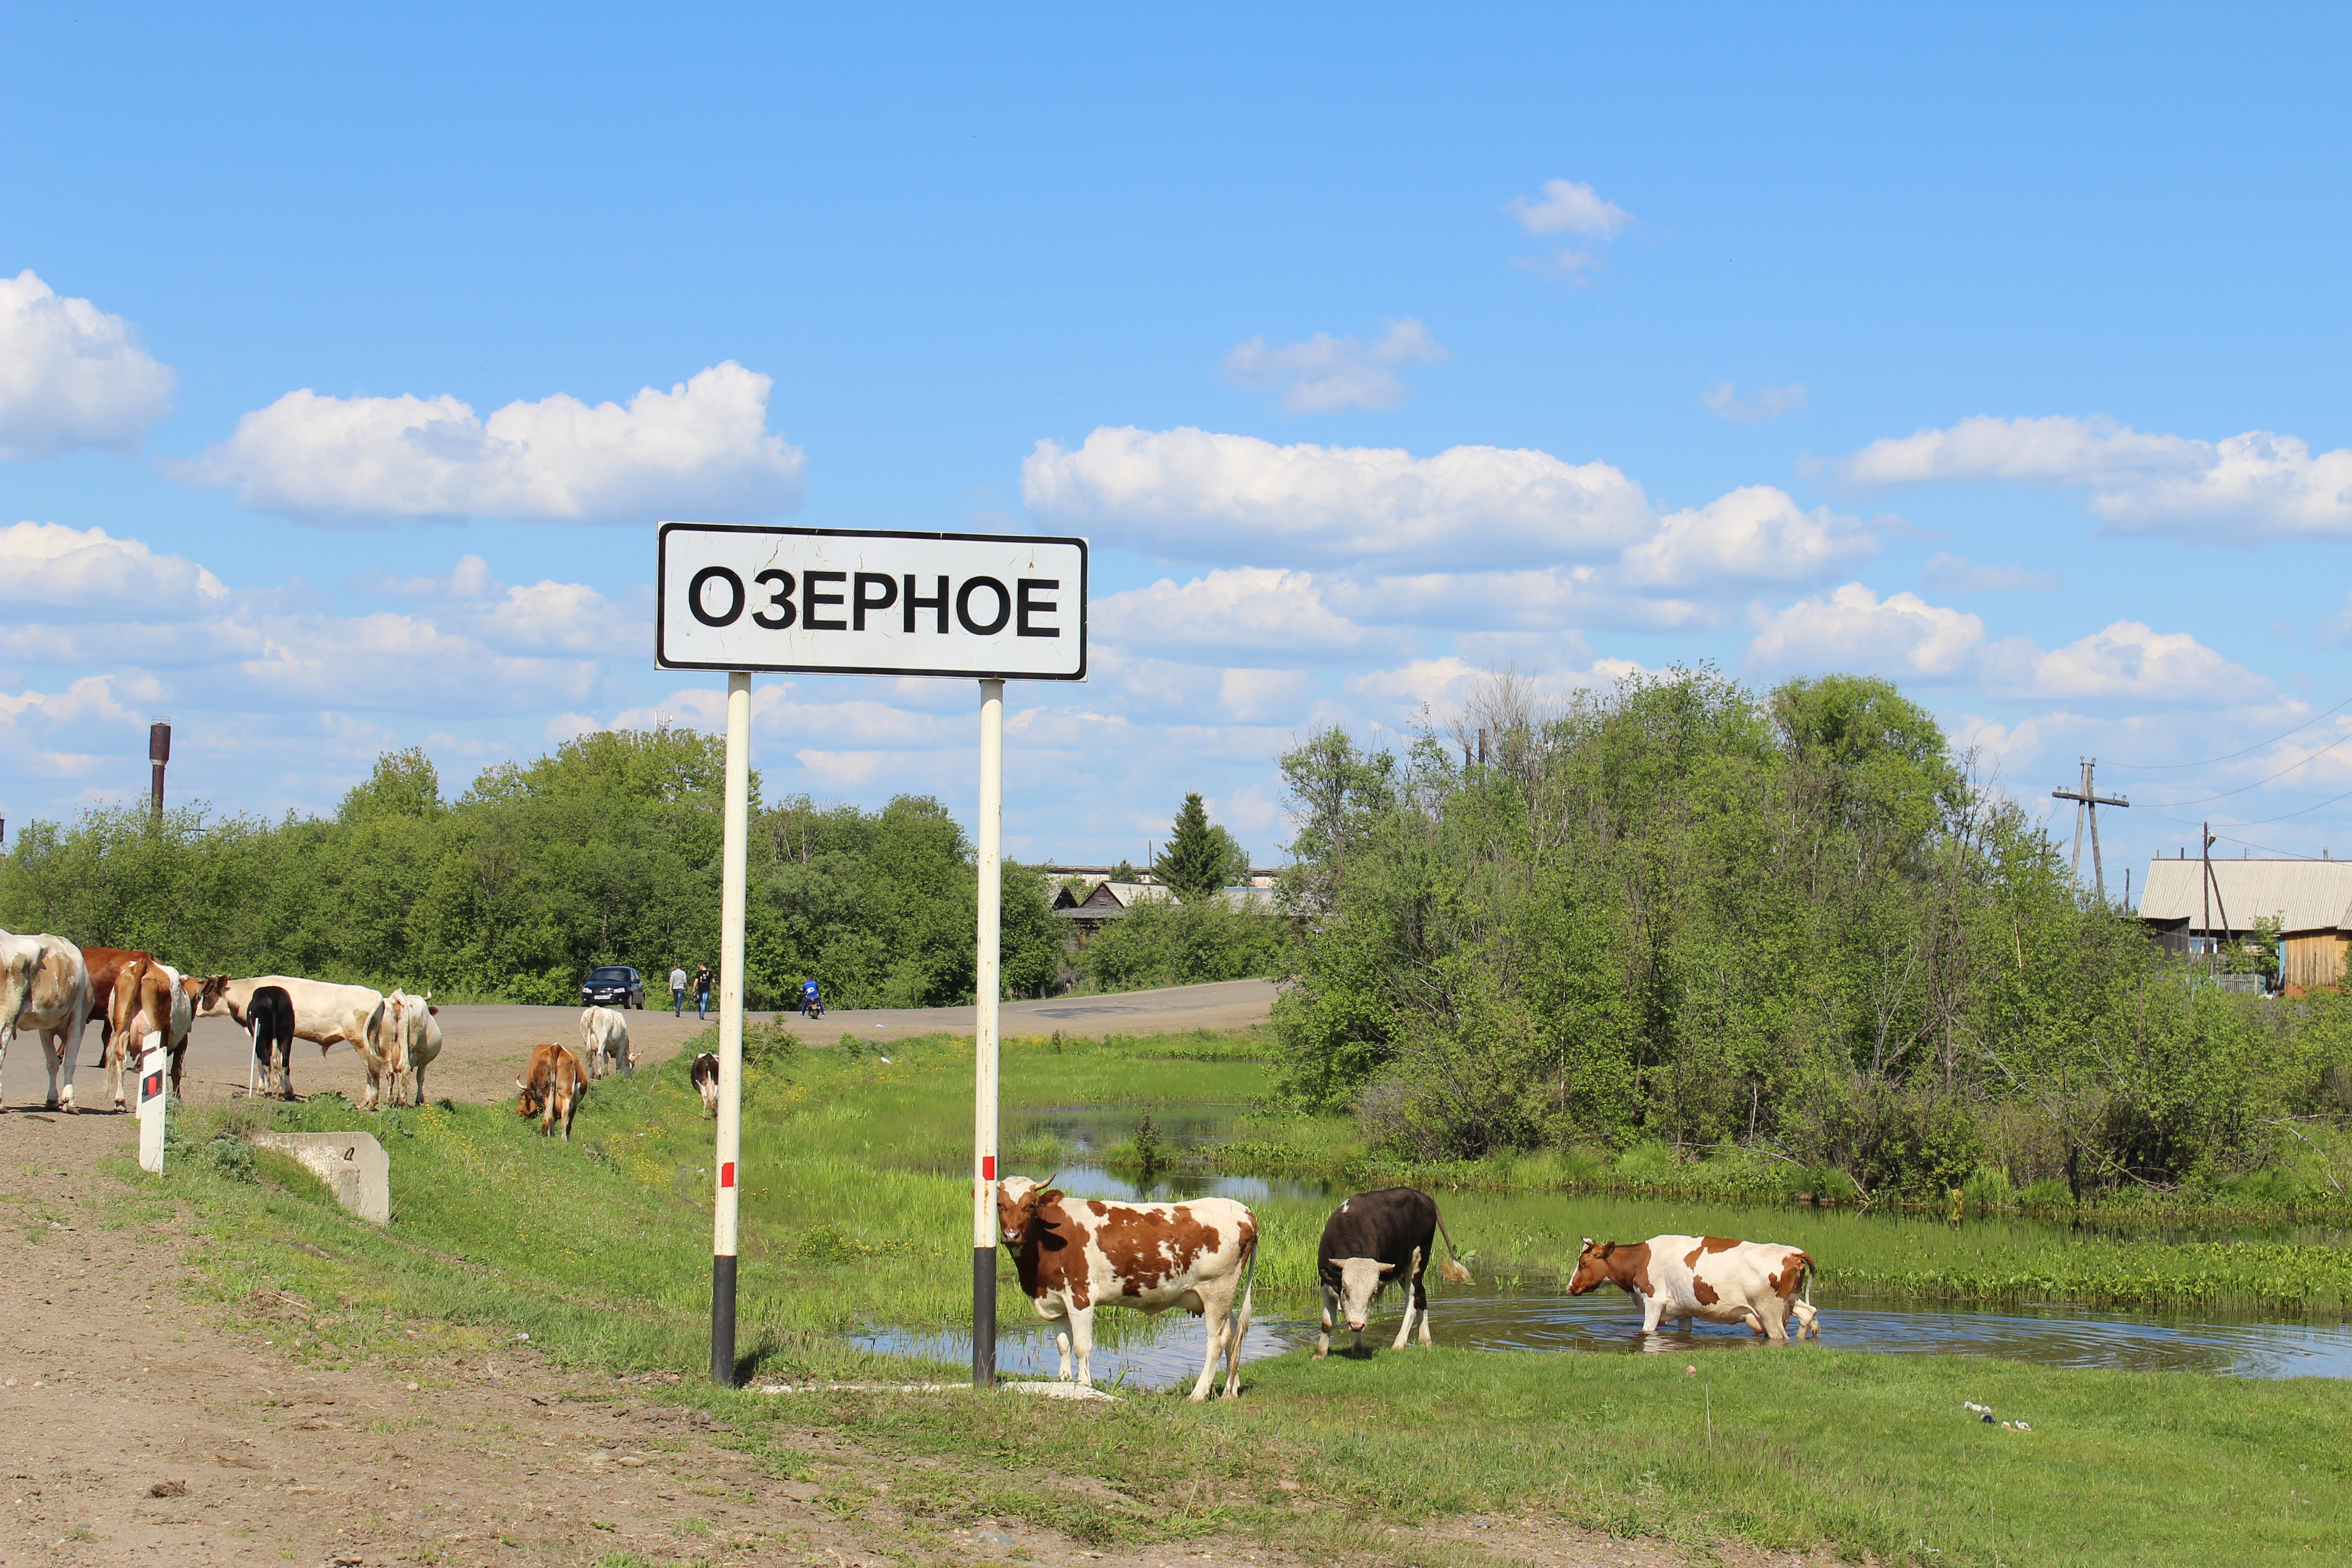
column 1018, row 1201
column 1362, row 1280
column 1592, row 1270
column 205, row 990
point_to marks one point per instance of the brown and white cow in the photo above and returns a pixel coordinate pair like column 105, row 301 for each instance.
column 45, row 992
column 1759, row 1283
column 1075, row 1255
column 325, row 1014
column 153, row 1005
column 103, row 964
column 553, row 1088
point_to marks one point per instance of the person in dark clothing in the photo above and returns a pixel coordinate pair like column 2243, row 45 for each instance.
column 703, row 978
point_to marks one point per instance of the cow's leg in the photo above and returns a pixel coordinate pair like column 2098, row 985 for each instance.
column 1082, row 1342
column 1773, row 1320
column 1421, row 1290
column 1653, row 1309
column 1808, row 1321
column 1214, row 1310
column 1331, row 1304
column 179, row 1063
column 1412, row 1296
column 1238, row 1332
column 420, row 1085
column 58, row 1056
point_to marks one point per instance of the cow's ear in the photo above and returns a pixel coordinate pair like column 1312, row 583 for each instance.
column 434, row 1011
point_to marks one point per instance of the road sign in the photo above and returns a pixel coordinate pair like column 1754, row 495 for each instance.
column 154, row 1102
column 842, row 602
column 856, row 601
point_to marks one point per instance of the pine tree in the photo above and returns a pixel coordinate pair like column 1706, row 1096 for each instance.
column 1193, row 864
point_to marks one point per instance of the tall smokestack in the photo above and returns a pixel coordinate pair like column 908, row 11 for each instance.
column 159, row 752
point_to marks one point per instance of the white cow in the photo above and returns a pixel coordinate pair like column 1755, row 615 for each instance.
column 45, row 991
column 604, row 1041
column 408, row 1036
column 324, row 1015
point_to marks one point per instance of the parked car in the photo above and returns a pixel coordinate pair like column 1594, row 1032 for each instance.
column 612, row 986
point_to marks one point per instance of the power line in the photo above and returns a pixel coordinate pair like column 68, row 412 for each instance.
column 2308, row 757
column 2274, row 740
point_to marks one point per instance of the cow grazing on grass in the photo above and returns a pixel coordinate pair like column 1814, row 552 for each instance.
column 1074, row 1256
column 324, row 1015
column 1373, row 1240
column 408, row 1036
column 45, row 992
column 269, row 1017
column 1759, row 1283
column 705, row 1074
column 603, row 1041
column 553, row 1088
column 153, row 1005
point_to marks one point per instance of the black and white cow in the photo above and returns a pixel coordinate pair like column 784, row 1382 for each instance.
column 705, row 1074
column 269, row 1015
column 1372, row 1238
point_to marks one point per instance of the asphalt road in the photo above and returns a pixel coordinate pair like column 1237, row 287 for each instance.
column 483, row 1047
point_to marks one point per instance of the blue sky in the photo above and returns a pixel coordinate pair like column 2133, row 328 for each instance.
column 1997, row 352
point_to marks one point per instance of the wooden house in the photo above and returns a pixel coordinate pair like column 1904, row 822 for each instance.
column 2310, row 899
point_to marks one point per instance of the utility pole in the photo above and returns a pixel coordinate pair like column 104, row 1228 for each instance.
column 2087, row 801
column 2213, row 896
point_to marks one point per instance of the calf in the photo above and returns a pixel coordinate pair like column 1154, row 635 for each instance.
column 705, row 1074
column 603, row 1041
column 1758, row 1283
column 269, row 1016
column 45, row 991
column 1371, row 1237
column 1074, row 1256
column 408, row 1036
column 552, row 1087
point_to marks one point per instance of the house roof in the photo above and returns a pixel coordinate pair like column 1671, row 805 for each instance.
column 1109, row 899
column 2301, row 895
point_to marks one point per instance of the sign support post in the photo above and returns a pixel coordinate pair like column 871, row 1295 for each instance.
column 987, row 985
column 154, row 1102
column 984, row 606
column 723, row 1228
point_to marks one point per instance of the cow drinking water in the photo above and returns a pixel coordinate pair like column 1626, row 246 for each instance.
column 1759, row 1283
column 1375, row 1240
column 1075, row 1255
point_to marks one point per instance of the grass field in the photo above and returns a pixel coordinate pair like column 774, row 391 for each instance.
column 857, row 1213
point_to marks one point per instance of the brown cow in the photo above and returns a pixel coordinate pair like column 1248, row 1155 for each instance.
column 151, row 998
column 1718, row 1279
column 552, row 1086
column 104, row 963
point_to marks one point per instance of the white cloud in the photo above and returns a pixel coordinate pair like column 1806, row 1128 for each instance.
column 37, row 729
column 71, row 376
column 2127, row 660
column 700, row 450
column 1263, row 696
column 1949, row 574
column 1568, row 206
column 1188, row 493
column 1547, row 599
column 1723, row 400
column 1255, row 608
column 1755, row 534
column 2247, row 490
column 47, row 569
column 1852, row 629
column 1325, row 372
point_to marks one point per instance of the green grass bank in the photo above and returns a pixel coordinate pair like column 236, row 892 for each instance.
column 856, row 1215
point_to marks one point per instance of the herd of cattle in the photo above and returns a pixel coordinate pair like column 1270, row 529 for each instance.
column 54, row 991
column 1074, row 1255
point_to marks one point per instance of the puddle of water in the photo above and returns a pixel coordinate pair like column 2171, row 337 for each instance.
column 1166, row 1352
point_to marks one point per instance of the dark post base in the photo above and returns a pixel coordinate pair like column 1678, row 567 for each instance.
column 722, row 1320
column 984, row 1317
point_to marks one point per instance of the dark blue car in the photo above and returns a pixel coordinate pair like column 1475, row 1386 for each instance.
column 612, row 985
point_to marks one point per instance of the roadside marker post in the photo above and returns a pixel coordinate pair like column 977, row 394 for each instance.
column 155, row 1104
column 991, row 607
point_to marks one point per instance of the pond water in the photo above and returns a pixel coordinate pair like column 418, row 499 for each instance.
column 1531, row 1313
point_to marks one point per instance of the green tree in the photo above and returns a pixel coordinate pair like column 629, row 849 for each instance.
column 1193, row 864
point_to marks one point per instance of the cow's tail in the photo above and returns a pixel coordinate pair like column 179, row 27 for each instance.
column 1239, row 1319
column 1451, row 1270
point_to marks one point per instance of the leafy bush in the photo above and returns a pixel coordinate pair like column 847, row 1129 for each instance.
column 1166, row 942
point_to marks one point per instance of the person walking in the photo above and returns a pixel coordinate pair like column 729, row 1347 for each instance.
column 702, row 980
column 678, row 990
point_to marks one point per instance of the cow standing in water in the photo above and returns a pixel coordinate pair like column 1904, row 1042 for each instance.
column 1375, row 1240
column 1760, row 1283
column 1075, row 1255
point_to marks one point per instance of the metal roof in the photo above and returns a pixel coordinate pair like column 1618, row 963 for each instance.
column 2301, row 895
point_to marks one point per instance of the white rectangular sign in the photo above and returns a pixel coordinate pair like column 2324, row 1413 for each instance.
column 852, row 602
column 155, row 1104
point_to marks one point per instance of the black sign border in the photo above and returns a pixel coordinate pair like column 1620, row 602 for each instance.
column 661, row 597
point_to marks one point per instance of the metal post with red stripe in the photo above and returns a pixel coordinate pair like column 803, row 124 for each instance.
column 984, row 1225
column 729, row 1152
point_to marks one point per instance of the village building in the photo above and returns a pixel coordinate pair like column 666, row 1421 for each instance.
column 2310, row 900
column 1086, row 911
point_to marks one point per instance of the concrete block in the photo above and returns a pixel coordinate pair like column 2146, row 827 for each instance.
column 352, row 1164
